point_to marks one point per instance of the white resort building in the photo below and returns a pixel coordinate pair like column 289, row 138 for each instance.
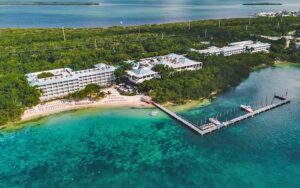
column 177, row 62
column 236, row 48
column 212, row 50
column 65, row 81
column 232, row 50
column 137, row 76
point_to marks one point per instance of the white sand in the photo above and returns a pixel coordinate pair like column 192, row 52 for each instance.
column 112, row 100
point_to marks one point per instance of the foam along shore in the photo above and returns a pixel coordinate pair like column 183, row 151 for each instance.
column 114, row 99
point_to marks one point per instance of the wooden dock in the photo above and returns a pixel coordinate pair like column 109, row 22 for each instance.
column 178, row 118
column 207, row 128
column 256, row 112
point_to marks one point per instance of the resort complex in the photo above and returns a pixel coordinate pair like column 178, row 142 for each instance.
column 236, row 48
column 142, row 70
column 62, row 82
column 141, row 93
column 279, row 13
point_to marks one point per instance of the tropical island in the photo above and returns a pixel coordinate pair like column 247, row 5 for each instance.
column 25, row 51
column 262, row 3
column 54, row 3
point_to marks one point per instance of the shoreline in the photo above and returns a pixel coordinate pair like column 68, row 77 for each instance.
column 114, row 99
column 40, row 111
column 80, row 105
column 106, row 26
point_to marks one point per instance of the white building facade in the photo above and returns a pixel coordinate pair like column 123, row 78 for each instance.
column 258, row 47
column 138, row 76
column 65, row 81
column 232, row 50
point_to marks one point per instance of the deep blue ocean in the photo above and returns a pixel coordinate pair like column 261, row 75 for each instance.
column 129, row 148
column 130, row 12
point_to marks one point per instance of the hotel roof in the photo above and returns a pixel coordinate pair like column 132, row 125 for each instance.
column 246, row 42
column 235, row 46
column 66, row 74
column 211, row 50
column 258, row 44
column 141, row 72
column 176, row 61
column 232, row 48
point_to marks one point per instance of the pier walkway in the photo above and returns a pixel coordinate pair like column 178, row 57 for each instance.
column 178, row 118
column 256, row 112
column 216, row 124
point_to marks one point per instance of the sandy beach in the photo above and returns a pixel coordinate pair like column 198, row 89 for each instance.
column 114, row 99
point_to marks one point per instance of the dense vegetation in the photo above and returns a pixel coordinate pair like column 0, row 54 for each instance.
column 28, row 50
column 217, row 74
column 15, row 95
column 90, row 91
column 45, row 75
column 120, row 72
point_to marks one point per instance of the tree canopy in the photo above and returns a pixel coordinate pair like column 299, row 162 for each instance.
column 45, row 75
column 90, row 90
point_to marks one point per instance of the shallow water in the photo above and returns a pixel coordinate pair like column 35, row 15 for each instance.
column 130, row 12
column 129, row 148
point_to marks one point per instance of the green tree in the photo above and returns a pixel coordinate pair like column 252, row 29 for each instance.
column 45, row 75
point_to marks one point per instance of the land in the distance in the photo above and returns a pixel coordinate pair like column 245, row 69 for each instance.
column 50, row 3
column 262, row 4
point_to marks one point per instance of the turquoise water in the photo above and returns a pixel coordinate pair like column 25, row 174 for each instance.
column 129, row 148
column 130, row 12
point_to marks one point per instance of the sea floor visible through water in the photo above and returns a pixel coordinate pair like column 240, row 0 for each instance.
column 128, row 147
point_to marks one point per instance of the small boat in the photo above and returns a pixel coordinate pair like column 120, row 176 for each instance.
column 207, row 126
column 215, row 121
column 154, row 113
column 247, row 108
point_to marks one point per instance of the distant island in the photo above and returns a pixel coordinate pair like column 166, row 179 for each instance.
column 51, row 3
column 262, row 4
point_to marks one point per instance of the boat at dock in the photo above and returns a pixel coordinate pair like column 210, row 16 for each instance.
column 215, row 121
column 214, row 124
column 207, row 126
column 247, row 108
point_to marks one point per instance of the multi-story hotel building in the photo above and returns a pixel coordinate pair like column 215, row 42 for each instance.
column 65, row 81
column 236, row 48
